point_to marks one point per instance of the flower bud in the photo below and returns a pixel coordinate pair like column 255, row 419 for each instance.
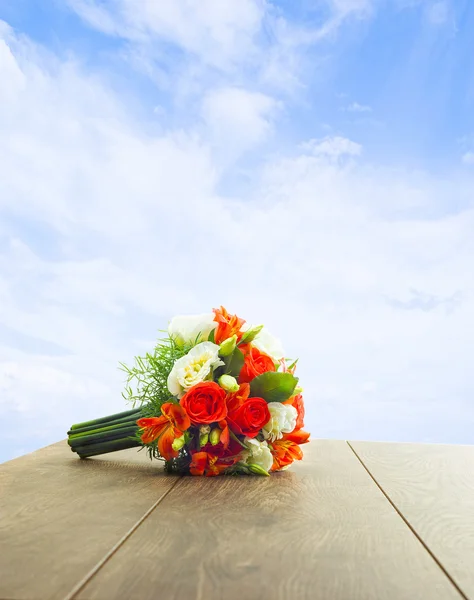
column 178, row 443
column 228, row 346
column 203, row 439
column 228, row 383
column 251, row 334
column 203, row 429
column 257, row 469
column 215, row 436
column 298, row 390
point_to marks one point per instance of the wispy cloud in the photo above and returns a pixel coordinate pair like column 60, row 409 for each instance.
column 468, row 158
column 355, row 107
column 332, row 147
column 438, row 13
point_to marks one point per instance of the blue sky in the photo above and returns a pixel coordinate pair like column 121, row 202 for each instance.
column 309, row 164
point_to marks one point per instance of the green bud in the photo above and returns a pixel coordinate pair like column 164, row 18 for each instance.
column 228, row 346
column 298, row 390
column 257, row 470
column 215, row 436
column 203, row 439
column 228, row 383
column 178, row 443
column 251, row 334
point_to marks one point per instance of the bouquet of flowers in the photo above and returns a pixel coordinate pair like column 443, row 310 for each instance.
column 215, row 396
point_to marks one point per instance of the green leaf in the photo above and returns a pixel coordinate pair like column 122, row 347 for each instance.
column 211, row 337
column 234, row 363
column 273, row 387
column 250, row 335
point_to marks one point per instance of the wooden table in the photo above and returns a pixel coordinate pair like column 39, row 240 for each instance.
column 354, row 520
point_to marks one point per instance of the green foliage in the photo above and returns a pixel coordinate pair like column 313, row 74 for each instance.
column 250, row 335
column 147, row 380
column 273, row 387
column 234, row 363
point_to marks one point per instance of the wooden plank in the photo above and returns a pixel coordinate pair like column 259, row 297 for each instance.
column 59, row 515
column 433, row 487
column 322, row 530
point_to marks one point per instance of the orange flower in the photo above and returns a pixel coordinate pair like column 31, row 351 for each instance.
column 255, row 364
column 236, row 399
column 245, row 348
column 227, row 325
column 225, row 435
column 205, row 463
column 297, row 402
column 286, row 449
column 205, row 403
column 172, row 424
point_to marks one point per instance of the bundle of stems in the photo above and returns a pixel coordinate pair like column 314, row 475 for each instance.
column 107, row 434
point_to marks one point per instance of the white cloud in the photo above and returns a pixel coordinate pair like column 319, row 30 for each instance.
column 107, row 229
column 468, row 158
column 359, row 108
column 333, row 147
column 220, row 34
column 438, row 13
column 237, row 120
column 186, row 45
column 350, row 7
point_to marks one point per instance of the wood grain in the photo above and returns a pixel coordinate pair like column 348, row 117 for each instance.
column 60, row 515
column 433, row 487
column 322, row 530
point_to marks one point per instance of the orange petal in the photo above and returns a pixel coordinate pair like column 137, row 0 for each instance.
column 298, row 437
column 165, row 444
column 198, row 463
column 149, row 422
column 225, row 436
column 177, row 415
column 152, row 428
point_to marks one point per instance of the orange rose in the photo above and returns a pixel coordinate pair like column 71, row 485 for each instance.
column 205, row 403
column 255, row 364
column 246, row 416
column 250, row 417
column 227, row 325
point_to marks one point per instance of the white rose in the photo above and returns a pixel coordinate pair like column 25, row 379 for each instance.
column 268, row 344
column 282, row 420
column 193, row 368
column 185, row 328
column 257, row 453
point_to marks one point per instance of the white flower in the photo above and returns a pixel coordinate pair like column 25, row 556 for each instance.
column 257, row 453
column 268, row 344
column 282, row 420
column 193, row 368
column 185, row 328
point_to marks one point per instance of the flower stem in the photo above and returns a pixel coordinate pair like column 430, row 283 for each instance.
column 106, row 447
column 73, row 435
column 117, row 434
column 104, row 420
column 104, row 435
column 129, row 419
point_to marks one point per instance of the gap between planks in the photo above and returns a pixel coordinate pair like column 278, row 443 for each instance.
column 83, row 582
column 408, row 524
